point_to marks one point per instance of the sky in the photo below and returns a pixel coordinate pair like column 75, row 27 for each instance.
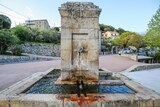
column 132, row 15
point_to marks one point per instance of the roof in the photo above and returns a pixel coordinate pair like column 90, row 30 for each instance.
column 112, row 32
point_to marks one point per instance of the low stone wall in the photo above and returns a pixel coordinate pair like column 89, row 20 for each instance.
column 131, row 56
column 41, row 49
column 144, row 67
column 4, row 59
column 105, row 53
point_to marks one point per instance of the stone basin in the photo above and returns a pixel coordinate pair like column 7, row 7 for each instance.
column 14, row 96
column 79, row 62
column 47, row 85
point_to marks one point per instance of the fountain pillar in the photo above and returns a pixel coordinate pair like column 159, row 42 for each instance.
column 79, row 41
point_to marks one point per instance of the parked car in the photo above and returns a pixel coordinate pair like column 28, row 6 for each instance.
column 146, row 53
column 141, row 54
column 120, row 52
column 125, row 51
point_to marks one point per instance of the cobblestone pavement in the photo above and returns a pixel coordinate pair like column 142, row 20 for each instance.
column 12, row 73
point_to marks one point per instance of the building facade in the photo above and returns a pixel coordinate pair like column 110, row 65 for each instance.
column 110, row 34
column 41, row 24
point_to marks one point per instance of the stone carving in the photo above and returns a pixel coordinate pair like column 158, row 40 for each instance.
column 79, row 6
column 77, row 9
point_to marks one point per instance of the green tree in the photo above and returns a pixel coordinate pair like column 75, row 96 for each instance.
column 49, row 36
column 6, row 40
column 35, row 33
column 5, row 22
column 22, row 32
column 104, row 28
column 116, row 41
column 120, row 31
column 136, row 40
column 56, row 28
column 109, row 28
column 56, row 36
column 153, row 34
column 127, row 39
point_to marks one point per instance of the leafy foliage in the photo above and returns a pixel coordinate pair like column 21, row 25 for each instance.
column 6, row 40
column 153, row 35
column 36, row 35
column 127, row 39
column 17, row 50
column 105, row 28
column 22, row 32
column 5, row 22
column 106, row 44
column 120, row 31
column 155, row 21
column 50, row 36
column 156, row 56
column 56, row 28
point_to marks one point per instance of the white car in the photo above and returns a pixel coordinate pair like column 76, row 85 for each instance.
column 125, row 50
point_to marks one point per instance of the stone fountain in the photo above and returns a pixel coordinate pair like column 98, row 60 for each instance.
column 80, row 70
column 79, row 42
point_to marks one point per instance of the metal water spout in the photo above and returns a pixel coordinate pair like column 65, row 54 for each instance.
column 81, row 88
column 81, row 50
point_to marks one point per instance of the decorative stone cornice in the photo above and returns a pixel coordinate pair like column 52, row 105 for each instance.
column 79, row 6
column 79, row 9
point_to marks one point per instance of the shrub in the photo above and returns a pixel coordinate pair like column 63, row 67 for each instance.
column 55, row 36
column 6, row 40
column 156, row 56
column 50, row 36
column 22, row 32
column 17, row 50
column 36, row 35
column 35, row 32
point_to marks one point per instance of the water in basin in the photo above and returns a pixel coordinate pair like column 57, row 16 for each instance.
column 47, row 85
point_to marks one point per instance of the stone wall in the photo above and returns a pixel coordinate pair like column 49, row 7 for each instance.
column 144, row 67
column 4, row 59
column 131, row 56
column 41, row 49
